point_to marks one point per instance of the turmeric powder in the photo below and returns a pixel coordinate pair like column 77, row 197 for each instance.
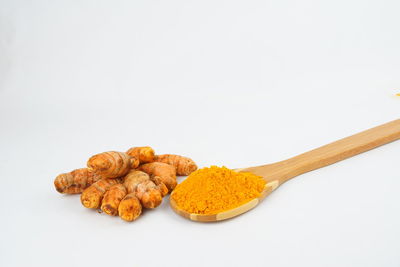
column 216, row 189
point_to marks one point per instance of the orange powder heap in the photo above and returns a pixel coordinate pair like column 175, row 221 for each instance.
column 216, row 189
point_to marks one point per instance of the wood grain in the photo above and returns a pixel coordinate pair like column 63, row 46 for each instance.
column 329, row 154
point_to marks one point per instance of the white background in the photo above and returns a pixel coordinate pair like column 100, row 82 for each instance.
column 235, row 83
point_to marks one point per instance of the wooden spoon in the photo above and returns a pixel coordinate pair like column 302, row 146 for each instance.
column 277, row 173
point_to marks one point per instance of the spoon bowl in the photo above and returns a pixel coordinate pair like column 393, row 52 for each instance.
column 277, row 173
column 269, row 187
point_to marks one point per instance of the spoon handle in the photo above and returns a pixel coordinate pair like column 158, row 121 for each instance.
column 331, row 153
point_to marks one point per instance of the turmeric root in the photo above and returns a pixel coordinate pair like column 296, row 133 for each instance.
column 149, row 195
column 160, row 185
column 145, row 190
column 183, row 165
column 130, row 208
column 112, row 164
column 112, row 198
column 75, row 182
column 124, row 183
column 91, row 197
column 133, row 179
column 165, row 172
column 145, row 154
